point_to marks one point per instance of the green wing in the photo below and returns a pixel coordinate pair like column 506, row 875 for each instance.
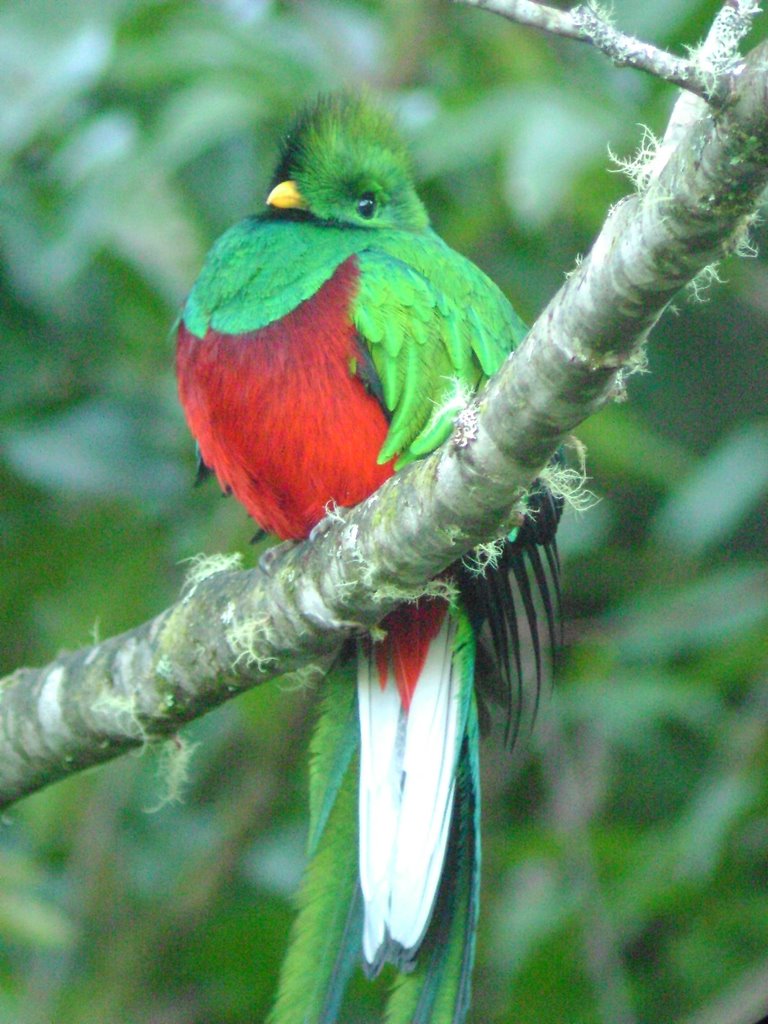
column 259, row 270
column 436, row 327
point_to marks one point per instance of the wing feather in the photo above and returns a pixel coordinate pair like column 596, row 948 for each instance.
column 432, row 320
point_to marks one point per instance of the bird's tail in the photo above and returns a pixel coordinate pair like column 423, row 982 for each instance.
column 417, row 801
column 437, row 991
column 325, row 936
column 416, row 829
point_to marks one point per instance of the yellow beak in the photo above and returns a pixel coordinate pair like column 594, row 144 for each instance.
column 286, row 196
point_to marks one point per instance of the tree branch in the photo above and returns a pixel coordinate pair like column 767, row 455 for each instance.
column 583, row 24
column 234, row 630
column 706, row 74
column 719, row 50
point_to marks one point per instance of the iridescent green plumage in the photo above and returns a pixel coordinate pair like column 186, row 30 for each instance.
column 414, row 329
column 325, row 941
column 436, row 326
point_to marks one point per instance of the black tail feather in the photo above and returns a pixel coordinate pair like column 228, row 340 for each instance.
column 524, row 586
column 553, row 621
column 522, row 581
column 553, row 561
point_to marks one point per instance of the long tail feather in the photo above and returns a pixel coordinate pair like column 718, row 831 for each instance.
column 553, row 561
column 407, row 778
column 325, row 938
column 438, row 991
column 526, row 594
column 334, row 745
column 543, row 586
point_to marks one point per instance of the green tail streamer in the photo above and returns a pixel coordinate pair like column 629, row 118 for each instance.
column 325, row 937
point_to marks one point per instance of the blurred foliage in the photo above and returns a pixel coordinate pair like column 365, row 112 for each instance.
column 626, row 867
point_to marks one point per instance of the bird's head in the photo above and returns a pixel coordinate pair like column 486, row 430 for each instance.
column 342, row 161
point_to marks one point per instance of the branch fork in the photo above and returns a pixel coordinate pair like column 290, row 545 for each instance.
column 708, row 73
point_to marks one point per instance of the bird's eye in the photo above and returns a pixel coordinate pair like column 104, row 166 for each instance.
column 366, row 205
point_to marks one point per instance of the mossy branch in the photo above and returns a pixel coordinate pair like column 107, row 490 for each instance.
column 232, row 630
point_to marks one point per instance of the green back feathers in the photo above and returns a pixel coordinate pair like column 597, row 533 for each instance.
column 260, row 270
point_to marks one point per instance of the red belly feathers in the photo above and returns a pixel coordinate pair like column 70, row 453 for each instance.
column 280, row 415
column 287, row 425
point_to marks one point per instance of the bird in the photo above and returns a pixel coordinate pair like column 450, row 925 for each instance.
column 328, row 342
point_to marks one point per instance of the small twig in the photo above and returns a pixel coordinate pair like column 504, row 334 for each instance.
column 717, row 56
column 717, row 52
column 586, row 26
column 733, row 22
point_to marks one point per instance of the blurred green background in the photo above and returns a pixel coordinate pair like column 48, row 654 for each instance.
column 626, row 863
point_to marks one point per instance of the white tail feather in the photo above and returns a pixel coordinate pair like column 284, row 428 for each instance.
column 407, row 771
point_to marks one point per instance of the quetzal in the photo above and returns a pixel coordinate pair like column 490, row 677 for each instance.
column 329, row 341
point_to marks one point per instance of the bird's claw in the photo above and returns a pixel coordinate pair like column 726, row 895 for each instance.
column 269, row 558
column 333, row 514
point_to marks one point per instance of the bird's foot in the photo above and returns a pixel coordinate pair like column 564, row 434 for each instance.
column 465, row 426
column 333, row 514
column 269, row 558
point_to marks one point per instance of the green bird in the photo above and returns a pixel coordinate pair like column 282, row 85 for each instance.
column 328, row 342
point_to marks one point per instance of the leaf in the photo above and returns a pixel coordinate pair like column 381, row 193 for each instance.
column 620, row 442
column 547, row 154
column 98, row 449
column 625, row 707
column 40, row 76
